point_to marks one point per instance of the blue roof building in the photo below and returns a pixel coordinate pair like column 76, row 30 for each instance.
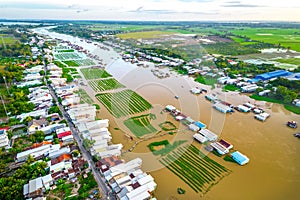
column 270, row 75
column 200, row 124
column 239, row 158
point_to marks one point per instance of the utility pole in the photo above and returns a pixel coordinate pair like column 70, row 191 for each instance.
column 4, row 105
column 4, row 78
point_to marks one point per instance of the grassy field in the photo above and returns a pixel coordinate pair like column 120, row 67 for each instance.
column 242, row 41
column 197, row 170
column 285, row 37
column 94, row 73
column 6, row 39
column 143, row 35
column 206, row 80
column 123, row 103
column 164, row 147
column 105, row 84
column 84, row 97
column 293, row 61
column 140, row 125
column 230, row 88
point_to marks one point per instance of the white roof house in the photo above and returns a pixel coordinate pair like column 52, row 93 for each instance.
column 128, row 167
column 60, row 166
column 3, row 138
column 58, row 152
column 200, row 138
column 35, row 185
column 193, row 127
column 208, row 134
column 36, row 152
column 37, row 113
column 82, row 113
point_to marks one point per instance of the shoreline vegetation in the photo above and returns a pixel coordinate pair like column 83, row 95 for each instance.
column 288, row 106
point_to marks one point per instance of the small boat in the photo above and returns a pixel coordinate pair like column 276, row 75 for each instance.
column 297, row 135
column 292, row 124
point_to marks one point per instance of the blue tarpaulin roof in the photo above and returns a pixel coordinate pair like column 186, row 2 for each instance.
column 239, row 158
column 199, row 124
column 274, row 74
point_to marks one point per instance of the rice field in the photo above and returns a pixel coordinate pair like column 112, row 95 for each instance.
column 140, row 125
column 123, row 103
column 94, row 73
column 67, row 56
column 143, row 35
column 284, row 37
column 105, row 84
column 197, row 170
column 84, row 97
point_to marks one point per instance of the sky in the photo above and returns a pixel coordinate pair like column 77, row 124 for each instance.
column 152, row 10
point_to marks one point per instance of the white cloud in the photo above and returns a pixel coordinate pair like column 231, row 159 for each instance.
column 152, row 9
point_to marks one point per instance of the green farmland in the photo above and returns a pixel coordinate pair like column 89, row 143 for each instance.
column 67, row 56
column 94, row 73
column 140, row 125
column 143, row 35
column 105, row 84
column 7, row 39
column 293, row 61
column 123, row 103
column 284, row 37
column 197, row 170
column 84, row 97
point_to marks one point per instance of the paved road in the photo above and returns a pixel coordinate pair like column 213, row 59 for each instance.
column 105, row 190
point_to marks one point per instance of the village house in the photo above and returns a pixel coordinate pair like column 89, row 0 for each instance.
column 35, row 125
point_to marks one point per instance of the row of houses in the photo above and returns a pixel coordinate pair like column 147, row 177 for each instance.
column 126, row 179
column 226, row 107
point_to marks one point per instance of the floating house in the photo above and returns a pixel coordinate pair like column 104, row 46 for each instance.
column 242, row 108
column 200, row 124
column 194, row 128
column 249, row 105
column 196, row 91
column 208, row 134
column 200, row 138
column 262, row 116
column 211, row 97
column 222, row 108
column 239, row 158
column 170, row 108
column 219, row 148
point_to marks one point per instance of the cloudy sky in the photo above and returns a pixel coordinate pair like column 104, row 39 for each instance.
column 163, row 10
